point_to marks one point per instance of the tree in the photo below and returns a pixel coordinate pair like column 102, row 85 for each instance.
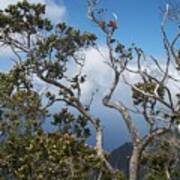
column 162, row 158
column 174, row 11
column 47, row 156
column 152, row 96
column 44, row 51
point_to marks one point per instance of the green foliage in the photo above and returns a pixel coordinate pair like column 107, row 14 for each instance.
column 47, row 156
column 123, row 52
column 22, row 112
column 21, row 108
column 68, row 123
column 55, row 51
column 24, row 18
column 162, row 155
column 15, row 79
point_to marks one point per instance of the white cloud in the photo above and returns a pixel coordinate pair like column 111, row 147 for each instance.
column 98, row 73
column 5, row 3
column 100, row 76
column 5, row 51
column 54, row 11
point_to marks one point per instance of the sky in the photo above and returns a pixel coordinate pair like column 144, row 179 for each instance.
column 138, row 22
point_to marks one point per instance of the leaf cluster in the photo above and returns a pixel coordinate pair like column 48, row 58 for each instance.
column 24, row 17
column 146, row 87
column 47, row 156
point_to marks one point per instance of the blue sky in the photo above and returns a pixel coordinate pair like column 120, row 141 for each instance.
column 139, row 21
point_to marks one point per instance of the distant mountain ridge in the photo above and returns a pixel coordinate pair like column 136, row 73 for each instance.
column 119, row 158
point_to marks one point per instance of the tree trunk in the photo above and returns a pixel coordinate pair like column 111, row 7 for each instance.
column 134, row 164
column 99, row 141
column 168, row 176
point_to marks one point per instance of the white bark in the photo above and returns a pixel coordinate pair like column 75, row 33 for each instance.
column 134, row 164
